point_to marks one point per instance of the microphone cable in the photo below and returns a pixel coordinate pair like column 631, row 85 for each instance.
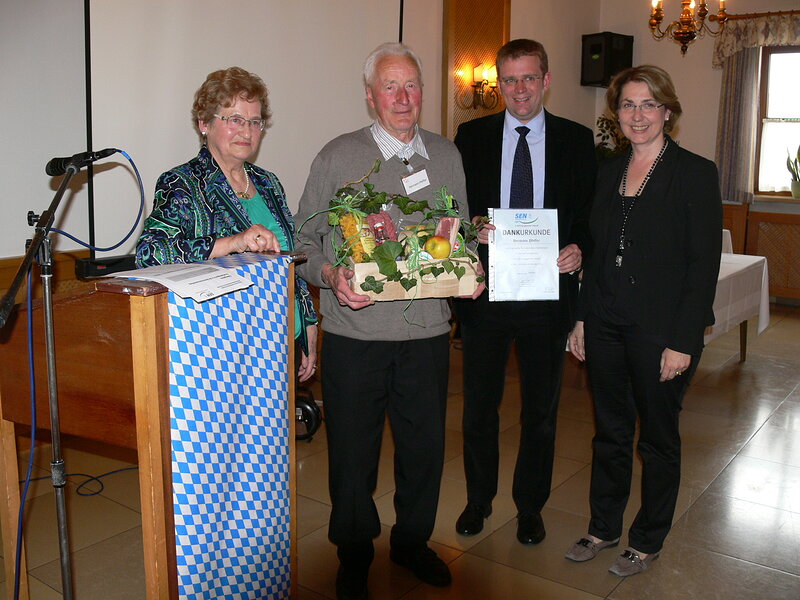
column 23, row 496
column 32, row 379
column 135, row 224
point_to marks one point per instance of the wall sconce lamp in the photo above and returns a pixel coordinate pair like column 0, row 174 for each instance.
column 484, row 89
column 689, row 26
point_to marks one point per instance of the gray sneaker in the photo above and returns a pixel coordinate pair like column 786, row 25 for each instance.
column 630, row 563
column 585, row 549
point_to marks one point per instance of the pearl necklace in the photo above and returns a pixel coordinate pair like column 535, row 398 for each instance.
column 244, row 195
column 627, row 210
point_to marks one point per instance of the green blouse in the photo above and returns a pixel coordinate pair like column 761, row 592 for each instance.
column 258, row 212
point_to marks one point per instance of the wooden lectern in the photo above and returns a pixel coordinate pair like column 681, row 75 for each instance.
column 113, row 387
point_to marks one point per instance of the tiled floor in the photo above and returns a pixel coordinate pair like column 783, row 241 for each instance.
column 736, row 533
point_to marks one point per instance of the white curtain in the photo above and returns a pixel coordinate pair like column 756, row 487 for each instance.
column 736, row 127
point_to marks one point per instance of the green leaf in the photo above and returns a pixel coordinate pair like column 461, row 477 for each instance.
column 344, row 192
column 386, row 256
column 432, row 270
column 480, row 278
column 447, row 265
column 372, row 285
column 409, row 206
column 444, row 203
column 373, row 204
column 459, row 271
column 408, row 283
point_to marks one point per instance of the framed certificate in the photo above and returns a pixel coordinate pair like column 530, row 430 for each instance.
column 523, row 250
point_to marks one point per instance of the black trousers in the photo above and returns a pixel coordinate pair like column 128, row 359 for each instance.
column 540, row 344
column 624, row 368
column 362, row 383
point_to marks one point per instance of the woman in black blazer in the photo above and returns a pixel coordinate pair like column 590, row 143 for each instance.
column 646, row 298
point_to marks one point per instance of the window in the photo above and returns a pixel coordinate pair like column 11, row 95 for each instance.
column 779, row 117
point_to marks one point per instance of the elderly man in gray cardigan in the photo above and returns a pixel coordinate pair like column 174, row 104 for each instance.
column 384, row 358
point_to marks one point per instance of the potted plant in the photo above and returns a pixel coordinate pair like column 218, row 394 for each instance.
column 793, row 164
column 612, row 142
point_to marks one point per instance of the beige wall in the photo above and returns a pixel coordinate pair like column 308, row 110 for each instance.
column 560, row 31
column 309, row 53
column 150, row 56
column 423, row 32
column 43, row 100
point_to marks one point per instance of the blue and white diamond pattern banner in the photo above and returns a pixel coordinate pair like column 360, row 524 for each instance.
column 230, row 436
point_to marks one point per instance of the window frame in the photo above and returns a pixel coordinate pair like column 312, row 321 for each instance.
column 763, row 82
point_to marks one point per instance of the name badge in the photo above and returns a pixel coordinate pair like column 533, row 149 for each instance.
column 416, row 181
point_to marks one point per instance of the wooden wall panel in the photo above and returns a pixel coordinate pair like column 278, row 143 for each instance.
column 777, row 236
column 473, row 32
column 64, row 279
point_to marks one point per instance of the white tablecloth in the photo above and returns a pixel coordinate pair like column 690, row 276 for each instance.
column 742, row 293
column 727, row 241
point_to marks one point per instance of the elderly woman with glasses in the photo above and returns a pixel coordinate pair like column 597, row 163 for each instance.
column 646, row 299
column 218, row 203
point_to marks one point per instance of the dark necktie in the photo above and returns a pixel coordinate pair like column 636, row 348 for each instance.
column 522, row 174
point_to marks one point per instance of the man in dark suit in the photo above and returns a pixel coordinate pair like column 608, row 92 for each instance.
column 522, row 157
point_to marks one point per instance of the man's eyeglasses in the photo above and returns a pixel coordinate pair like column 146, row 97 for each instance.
column 526, row 79
column 238, row 122
column 645, row 107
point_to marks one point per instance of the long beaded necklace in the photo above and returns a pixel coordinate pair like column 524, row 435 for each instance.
column 626, row 210
column 244, row 195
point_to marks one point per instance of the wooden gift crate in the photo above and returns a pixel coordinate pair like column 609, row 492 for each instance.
column 442, row 286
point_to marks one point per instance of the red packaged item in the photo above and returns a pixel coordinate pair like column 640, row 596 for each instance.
column 447, row 227
column 382, row 227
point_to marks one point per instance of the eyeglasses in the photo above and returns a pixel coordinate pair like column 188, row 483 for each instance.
column 645, row 107
column 238, row 122
column 526, row 79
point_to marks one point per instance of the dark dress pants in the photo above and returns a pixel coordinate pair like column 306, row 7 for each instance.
column 624, row 369
column 362, row 383
column 540, row 345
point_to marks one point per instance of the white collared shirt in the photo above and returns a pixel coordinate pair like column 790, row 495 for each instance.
column 535, row 139
column 390, row 146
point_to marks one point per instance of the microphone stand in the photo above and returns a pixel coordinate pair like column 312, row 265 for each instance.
column 40, row 248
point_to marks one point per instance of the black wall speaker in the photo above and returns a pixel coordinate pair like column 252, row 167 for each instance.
column 603, row 56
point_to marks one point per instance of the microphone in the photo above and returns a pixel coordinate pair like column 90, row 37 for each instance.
column 59, row 166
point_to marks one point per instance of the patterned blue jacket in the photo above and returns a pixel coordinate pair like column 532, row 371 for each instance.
column 194, row 205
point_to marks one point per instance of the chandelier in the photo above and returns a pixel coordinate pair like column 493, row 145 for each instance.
column 690, row 25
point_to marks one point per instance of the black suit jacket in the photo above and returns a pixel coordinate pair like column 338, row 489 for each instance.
column 570, row 171
column 673, row 242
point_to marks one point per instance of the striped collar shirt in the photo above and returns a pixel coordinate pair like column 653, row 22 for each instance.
column 390, row 146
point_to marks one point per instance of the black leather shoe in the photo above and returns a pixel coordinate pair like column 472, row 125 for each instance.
column 424, row 563
column 354, row 562
column 530, row 528
column 351, row 584
column 471, row 520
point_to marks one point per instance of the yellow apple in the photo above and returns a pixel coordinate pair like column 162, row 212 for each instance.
column 438, row 246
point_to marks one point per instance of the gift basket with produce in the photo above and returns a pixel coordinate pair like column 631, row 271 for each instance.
column 393, row 261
